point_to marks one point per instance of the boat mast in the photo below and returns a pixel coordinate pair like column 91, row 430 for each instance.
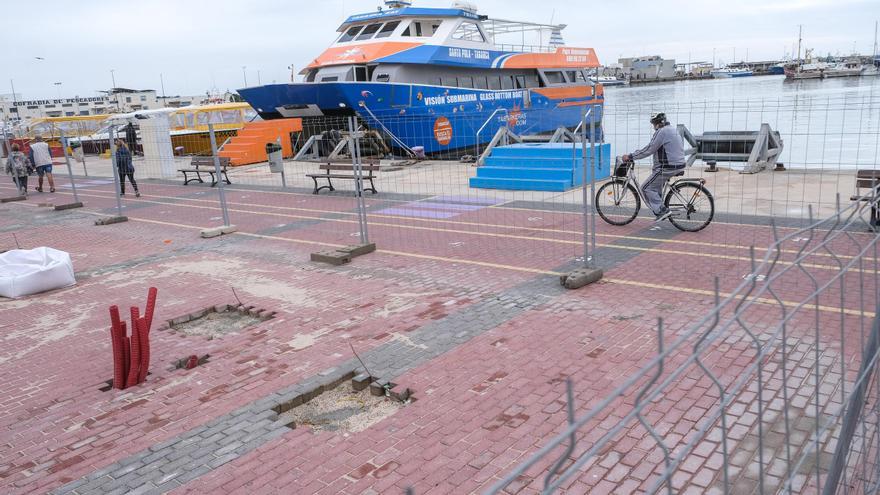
column 875, row 41
column 800, row 39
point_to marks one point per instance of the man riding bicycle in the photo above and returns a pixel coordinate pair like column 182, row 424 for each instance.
column 668, row 150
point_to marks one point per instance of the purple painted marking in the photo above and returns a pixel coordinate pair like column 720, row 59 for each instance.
column 406, row 212
column 469, row 199
column 444, row 206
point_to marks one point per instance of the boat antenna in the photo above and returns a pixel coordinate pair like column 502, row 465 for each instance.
column 875, row 42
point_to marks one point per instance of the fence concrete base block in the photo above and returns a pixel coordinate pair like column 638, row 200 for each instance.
column 581, row 278
column 358, row 249
column 68, row 206
column 334, row 258
column 110, row 220
column 229, row 229
column 13, row 198
column 360, row 382
column 213, row 232
column 46, row 205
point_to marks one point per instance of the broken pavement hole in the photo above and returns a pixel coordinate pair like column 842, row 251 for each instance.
column 217, row 321
column 343, row 406
column 184, row 363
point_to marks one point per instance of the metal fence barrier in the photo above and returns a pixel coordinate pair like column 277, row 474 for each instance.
column 780, row 380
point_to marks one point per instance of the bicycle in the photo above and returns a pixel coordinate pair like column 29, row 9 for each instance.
column 619, row 200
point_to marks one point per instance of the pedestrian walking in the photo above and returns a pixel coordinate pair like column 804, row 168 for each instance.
column 41, row 157
column 131, row 138
column 19, row 167
column 125, row 167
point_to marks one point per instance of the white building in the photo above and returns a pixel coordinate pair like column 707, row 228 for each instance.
column 648, row 68
column 117, row 100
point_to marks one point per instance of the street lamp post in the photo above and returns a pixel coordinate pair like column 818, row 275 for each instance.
column 58, row 87
column 244, row 73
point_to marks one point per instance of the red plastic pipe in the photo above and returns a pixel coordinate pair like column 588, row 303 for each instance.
column 151, row 306
column 134, row 370
column 126, row 356
column 144, row 330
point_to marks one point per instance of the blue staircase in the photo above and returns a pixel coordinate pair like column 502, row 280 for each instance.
column 539, row 167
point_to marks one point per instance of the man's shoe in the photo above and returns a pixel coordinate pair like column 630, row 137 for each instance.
column 663, row 216
column 137, row 194
column 52, row 190
column 38, row 189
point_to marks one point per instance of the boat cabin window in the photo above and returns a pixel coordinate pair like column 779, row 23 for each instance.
column 481, row 82
column 494, row 82
column 368, row 32
column 421, row 29
column 554, row 77
column 360, row 74
column 520, row 82
column 575, row 76
column 350, row 34
column 506, row 82
column 381, row 77
column 387, row 29
column 448, row 81
column 330, row 79
column 466, row 82
column 469, row 31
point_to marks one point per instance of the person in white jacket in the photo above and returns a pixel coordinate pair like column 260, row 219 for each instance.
column 41, row 157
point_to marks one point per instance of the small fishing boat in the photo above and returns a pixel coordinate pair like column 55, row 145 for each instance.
column 728, row 73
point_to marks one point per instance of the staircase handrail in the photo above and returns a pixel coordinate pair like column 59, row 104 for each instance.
column 503, row 132
column 480, row 130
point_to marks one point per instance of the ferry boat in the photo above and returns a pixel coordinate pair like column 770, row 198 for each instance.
column 728, row 73
column 435, row 78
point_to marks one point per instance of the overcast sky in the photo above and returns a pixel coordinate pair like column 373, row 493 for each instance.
column 201, row 45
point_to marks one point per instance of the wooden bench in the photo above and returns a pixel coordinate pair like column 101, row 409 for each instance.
column 868, row 180
column 335, row 171
column 205, row 165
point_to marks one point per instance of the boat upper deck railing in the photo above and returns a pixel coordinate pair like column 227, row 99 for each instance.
column 526, row 48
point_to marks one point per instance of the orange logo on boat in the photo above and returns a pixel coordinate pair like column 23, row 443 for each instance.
column 514, row 116
column 443, row 131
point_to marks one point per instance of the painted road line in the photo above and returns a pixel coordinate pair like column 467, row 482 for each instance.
column 487, row 234
column 438, row 218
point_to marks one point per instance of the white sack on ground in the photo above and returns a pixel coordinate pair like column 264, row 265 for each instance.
column 30, row 271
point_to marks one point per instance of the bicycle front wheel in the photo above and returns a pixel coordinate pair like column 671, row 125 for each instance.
column 692, row 206
column 618, row 202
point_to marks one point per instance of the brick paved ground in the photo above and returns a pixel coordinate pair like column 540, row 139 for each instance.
column 467, row 312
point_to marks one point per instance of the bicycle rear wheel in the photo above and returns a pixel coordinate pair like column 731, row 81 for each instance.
column 692, row 205
column 618, row 202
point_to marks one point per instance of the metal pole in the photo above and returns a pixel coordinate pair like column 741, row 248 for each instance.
column 111, row 135
column 217, row 171
column 69, row 170
column 593, row 158
column 359, row 187
column 283, row 179
column 83, row 148
column 584, row 187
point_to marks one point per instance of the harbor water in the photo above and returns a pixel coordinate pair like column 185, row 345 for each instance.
column 831, row 124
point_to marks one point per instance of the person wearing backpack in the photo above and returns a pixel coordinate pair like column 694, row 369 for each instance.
column 19, row 167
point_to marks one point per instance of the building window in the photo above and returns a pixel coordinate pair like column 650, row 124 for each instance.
column 70, row 114
column 143, row 98
column 32, row 107
column 48, row 106
column 83, row 112
column 128, row 99
column 468, row 31
column 83, row 104
column 67, row 105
